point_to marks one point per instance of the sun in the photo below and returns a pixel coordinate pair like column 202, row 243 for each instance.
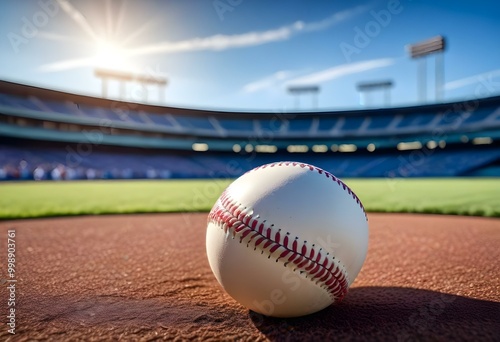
column 110, row 56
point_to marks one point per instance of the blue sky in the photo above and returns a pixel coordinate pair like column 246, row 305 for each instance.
column 243, row 54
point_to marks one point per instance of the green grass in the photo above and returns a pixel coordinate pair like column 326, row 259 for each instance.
column 453, row 196
column 478, row 197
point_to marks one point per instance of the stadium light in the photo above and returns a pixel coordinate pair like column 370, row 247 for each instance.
column 431, row 144
column 320, row 148
column 298, row 90
column 266, row 149
column 347, row 148
column 367, row 87
column 426, row 47
column 122, row 77
column 411, row 145
column 482, row 141
column 200, row 147
column 297, row 148
column 422, row 49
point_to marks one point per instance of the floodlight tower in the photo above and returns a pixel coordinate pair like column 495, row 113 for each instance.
column 298, row 90
column 367, row 87
column 160, row 82
column 123, row 77
column 422, row 49
column 106, row 75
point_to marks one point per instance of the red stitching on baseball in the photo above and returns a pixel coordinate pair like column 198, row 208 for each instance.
column 321, row 172
column 320, row 269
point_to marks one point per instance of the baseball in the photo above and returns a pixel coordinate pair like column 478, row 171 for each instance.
column 287, row 239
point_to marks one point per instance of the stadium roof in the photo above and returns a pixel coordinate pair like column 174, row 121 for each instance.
column 19, row 89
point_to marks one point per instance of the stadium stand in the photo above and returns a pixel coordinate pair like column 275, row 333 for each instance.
column 46, row 134
column 246, row 126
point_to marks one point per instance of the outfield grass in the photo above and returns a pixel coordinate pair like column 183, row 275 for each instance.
column 478, row 197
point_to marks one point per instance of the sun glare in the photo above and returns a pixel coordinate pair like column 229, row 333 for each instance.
column 110, row 56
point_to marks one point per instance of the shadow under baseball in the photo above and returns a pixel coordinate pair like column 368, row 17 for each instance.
column 390, row 313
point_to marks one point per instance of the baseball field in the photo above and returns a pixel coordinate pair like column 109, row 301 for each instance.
column 454, row 196
column 145, row 277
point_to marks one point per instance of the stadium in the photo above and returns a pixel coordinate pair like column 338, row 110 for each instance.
column 106, row 198
column 84, row 137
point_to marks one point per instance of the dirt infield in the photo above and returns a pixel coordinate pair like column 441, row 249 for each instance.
column 146, row 277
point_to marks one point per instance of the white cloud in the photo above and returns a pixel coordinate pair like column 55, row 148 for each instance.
column 342, row 70
column 78, row 17
column 217, row 42
column 53, row 36
column 463, row 82
column 274, row 80
column 214, row 43
column 334, row 19
column 286, row 77
column 66, row 64
column 254, row 38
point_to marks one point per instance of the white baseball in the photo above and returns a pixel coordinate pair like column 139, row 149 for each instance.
column 287, row 239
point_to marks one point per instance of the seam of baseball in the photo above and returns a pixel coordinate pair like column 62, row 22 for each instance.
column 321, row 269
column 321, row 172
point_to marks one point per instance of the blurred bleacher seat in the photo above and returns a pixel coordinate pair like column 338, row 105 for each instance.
column 127, row 140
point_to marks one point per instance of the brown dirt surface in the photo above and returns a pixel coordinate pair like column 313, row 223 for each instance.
column 146, row 277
